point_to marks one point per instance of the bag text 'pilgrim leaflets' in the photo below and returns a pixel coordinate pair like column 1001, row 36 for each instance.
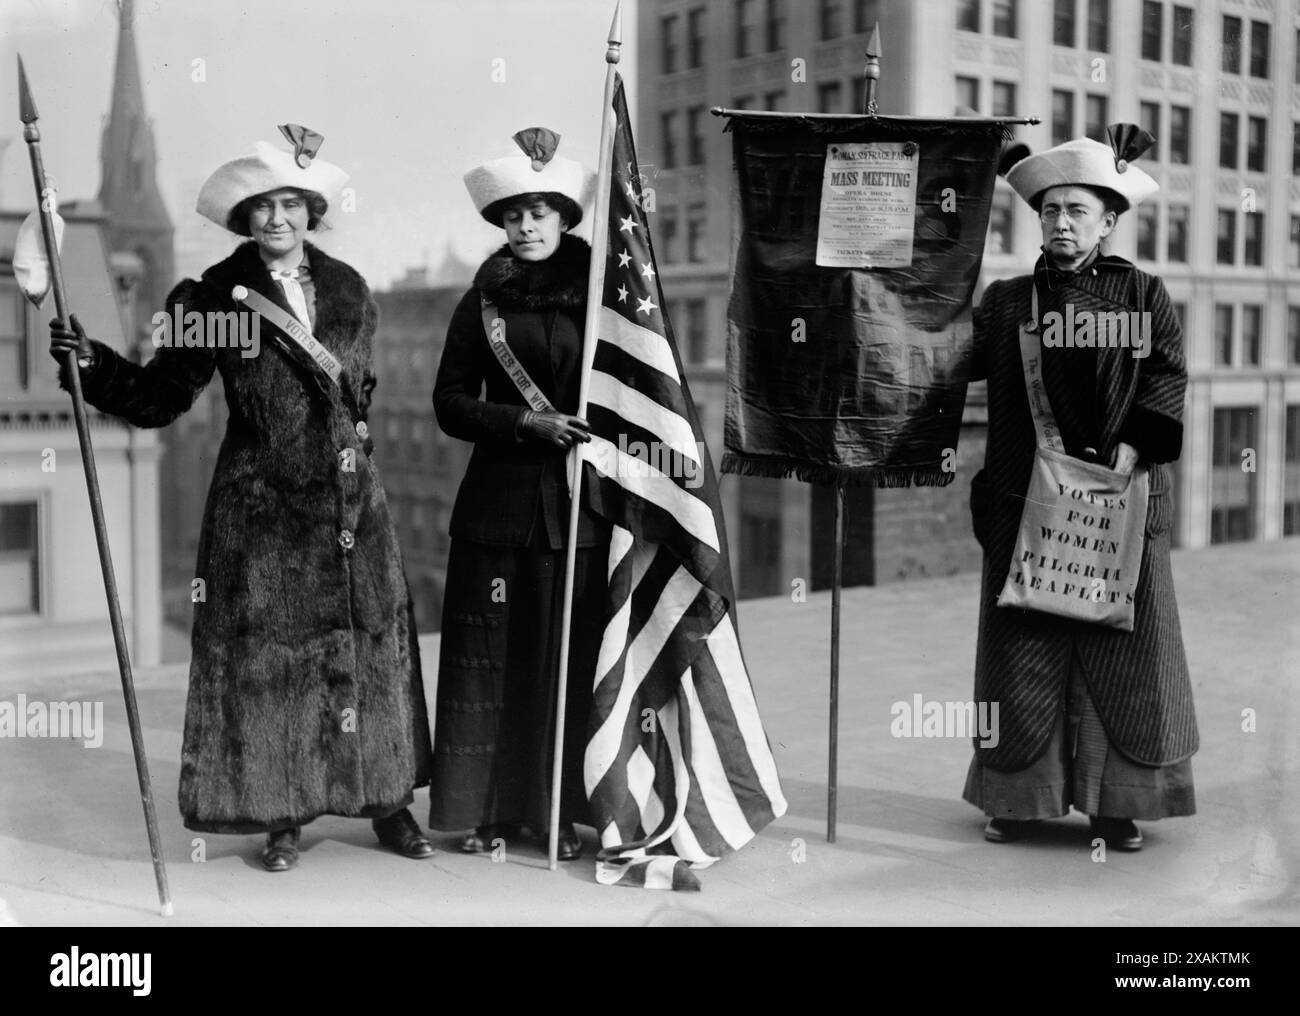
column 868, row 207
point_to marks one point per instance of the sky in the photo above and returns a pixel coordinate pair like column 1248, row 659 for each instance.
column 409, row 94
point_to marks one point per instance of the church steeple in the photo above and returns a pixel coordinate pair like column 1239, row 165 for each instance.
column 138, row 222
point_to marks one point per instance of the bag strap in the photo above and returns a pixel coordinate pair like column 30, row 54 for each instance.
column 1031, row 356
column 494, row 329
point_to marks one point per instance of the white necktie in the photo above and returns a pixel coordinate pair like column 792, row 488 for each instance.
column 288, row 279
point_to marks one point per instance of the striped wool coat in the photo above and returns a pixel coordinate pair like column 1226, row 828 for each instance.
column 1138, row 680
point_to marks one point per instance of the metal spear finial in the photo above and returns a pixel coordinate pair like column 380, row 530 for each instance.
column 615, row 51
column 871, row 72
column 26, row 104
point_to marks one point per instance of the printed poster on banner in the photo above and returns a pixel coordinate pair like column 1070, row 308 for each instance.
column 868, row 208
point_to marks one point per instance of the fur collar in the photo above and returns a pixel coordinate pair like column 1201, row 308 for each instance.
column 558, row 283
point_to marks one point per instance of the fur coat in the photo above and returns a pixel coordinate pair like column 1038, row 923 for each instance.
column 1138, row 680
column 305, row 694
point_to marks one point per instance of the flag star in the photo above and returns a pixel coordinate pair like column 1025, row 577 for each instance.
column 645, row 305
column 623, row 259
column 631, row 191
column 622, row 294
column 628, row 224
column 648, row 270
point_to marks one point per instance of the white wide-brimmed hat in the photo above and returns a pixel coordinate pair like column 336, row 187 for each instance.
column 535, row 170
column 1087, row 163
column 268, row 169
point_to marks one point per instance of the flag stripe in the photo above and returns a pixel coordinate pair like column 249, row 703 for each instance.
column 639, row 408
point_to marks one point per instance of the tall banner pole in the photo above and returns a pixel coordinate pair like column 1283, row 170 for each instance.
column 595, row 293
column 32, row 135
column 871, row 75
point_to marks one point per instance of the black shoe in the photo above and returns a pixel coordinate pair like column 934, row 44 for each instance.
column 401, row 832
column 480, row 840
column 568, row 845
column 281, row 853
column 1118, row 833
column 1007, row 830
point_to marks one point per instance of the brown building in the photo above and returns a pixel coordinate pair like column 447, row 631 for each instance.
column 421, row 467
column 1217, row 82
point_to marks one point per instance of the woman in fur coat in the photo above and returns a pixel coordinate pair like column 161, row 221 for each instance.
column 305, row 695
column 497, row 674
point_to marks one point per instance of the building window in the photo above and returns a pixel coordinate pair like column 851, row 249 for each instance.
column 1063, row 22
column 1062, row 116
column 695, row 220
column 1232, row 498
column 1256, row 144
column 1149, row 121
column 1095, row 117
column 13, row 335
column 695, row 37
column 828, row 97
column 1004, row 98
column 968, row 92
column 1252, row 317
column 668, row 138
column 1099, row 25
column 1291, row 477
column 1153, row 16
column 1259, row 49
column 1225, row 250
column 20, row 572
column 774, row 100
column 1293, row 246
column 1228, row 131
column 1297, row 56
column 1148, row 227
column 746, row 30
column 968, row 15
column 742, row 102
column 1230, row 46
column 1253, row 239
column 1176, row 241
column 668, row 44
column 776, row 18
column 1180, row 134
column 668, row 252
column 1001, row 224
column 864, row 15
column 1293, row 336
column 1295, row 148
column 832, row 18
column 694, row 136
column 1222, row 335
column 1004, row 18
column 1183, row 28
column 697, row 334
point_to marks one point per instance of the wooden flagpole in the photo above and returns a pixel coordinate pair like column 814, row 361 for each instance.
column 871, row 74
column 595, row 291
column 32, row 135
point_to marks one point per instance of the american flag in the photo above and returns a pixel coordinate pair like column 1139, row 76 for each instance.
column 678, row 769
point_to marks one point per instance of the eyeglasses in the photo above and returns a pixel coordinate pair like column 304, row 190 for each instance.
column 1075, row 214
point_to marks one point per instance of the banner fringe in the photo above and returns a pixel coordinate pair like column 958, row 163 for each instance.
column 779, row 468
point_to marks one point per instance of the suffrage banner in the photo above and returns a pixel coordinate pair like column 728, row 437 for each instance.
column 849, row 328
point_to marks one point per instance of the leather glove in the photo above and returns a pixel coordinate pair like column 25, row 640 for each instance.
column 63, row 339
column 559, row 429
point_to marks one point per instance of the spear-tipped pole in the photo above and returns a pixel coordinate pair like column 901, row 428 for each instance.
column 45, row 199
column 871, row 72
column 595, row 288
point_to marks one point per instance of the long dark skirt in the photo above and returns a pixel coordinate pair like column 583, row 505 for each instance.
column 497, row 681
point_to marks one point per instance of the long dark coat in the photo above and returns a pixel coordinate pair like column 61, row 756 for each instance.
column 509, row 526
column 305, row 695
column 1139, row 680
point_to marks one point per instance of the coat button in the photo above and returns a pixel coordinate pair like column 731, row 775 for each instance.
column 363, row 431
column 346, row 540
